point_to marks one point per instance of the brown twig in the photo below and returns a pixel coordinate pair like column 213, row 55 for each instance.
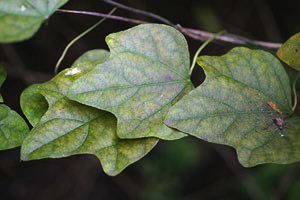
column 138, row 11
column 198, row 34
column 230, row 38
column 97, row 14
column 189, row 32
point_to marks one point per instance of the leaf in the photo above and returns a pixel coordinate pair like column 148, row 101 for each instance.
column 13, row 128
column 231, row 107
column 289, row 52
column 63, row 127
column 147, row 71
column 20, row 19
column 95, row 56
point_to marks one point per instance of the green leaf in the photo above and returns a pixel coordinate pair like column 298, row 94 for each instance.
column 63, row 127
column 95, row 56
column 20, row 19
column 147, row 71
column 289, row 52
column 231, row 107
column 13, row 128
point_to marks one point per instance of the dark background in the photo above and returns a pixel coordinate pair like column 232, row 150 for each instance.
column 186, row 169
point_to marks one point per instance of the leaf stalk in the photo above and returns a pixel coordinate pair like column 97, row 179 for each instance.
column 201, row 48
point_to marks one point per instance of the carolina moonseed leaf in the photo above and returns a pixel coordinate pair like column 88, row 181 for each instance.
column 20, row 19
column 13, row 128
column 95, row 56
column 147, row 71
column 289, row 52
column 231, row 107
column 63, row 127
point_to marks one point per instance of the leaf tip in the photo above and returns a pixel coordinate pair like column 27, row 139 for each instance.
column 24, row 156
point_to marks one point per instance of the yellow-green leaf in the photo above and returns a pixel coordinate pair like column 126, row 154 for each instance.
column 63, row 127
column 147, row 71
column 95, row 56
column 289, row 52
column 232, row 107
column 13, row 128
column 20, row 19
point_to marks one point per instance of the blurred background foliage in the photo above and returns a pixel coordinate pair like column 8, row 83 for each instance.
column 186, row 169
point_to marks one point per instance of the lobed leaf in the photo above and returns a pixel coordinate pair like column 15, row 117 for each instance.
column 20, row 19
column 63, row 127
column 146, row 73
column 289, row 52
column 231, row 107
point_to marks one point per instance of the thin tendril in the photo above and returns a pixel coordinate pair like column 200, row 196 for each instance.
column 295, row 91
column 79, row 37
column 201, row 48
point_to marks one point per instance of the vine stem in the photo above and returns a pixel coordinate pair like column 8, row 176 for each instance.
column 138, row 11
column 77, row 38
column 107, row 16
column 295, row 91
column 189, row 32
column 197, row 34
column 201, row 48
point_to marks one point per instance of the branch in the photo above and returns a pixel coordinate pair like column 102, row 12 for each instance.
column 107, row 16
column 230, row 38
column 197, row 34
column 189, row 32
column 138, row 11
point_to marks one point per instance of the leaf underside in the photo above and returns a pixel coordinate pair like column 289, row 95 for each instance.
column 146, row 73
column 231, row 107
column 20, row 19
column 63, row 127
